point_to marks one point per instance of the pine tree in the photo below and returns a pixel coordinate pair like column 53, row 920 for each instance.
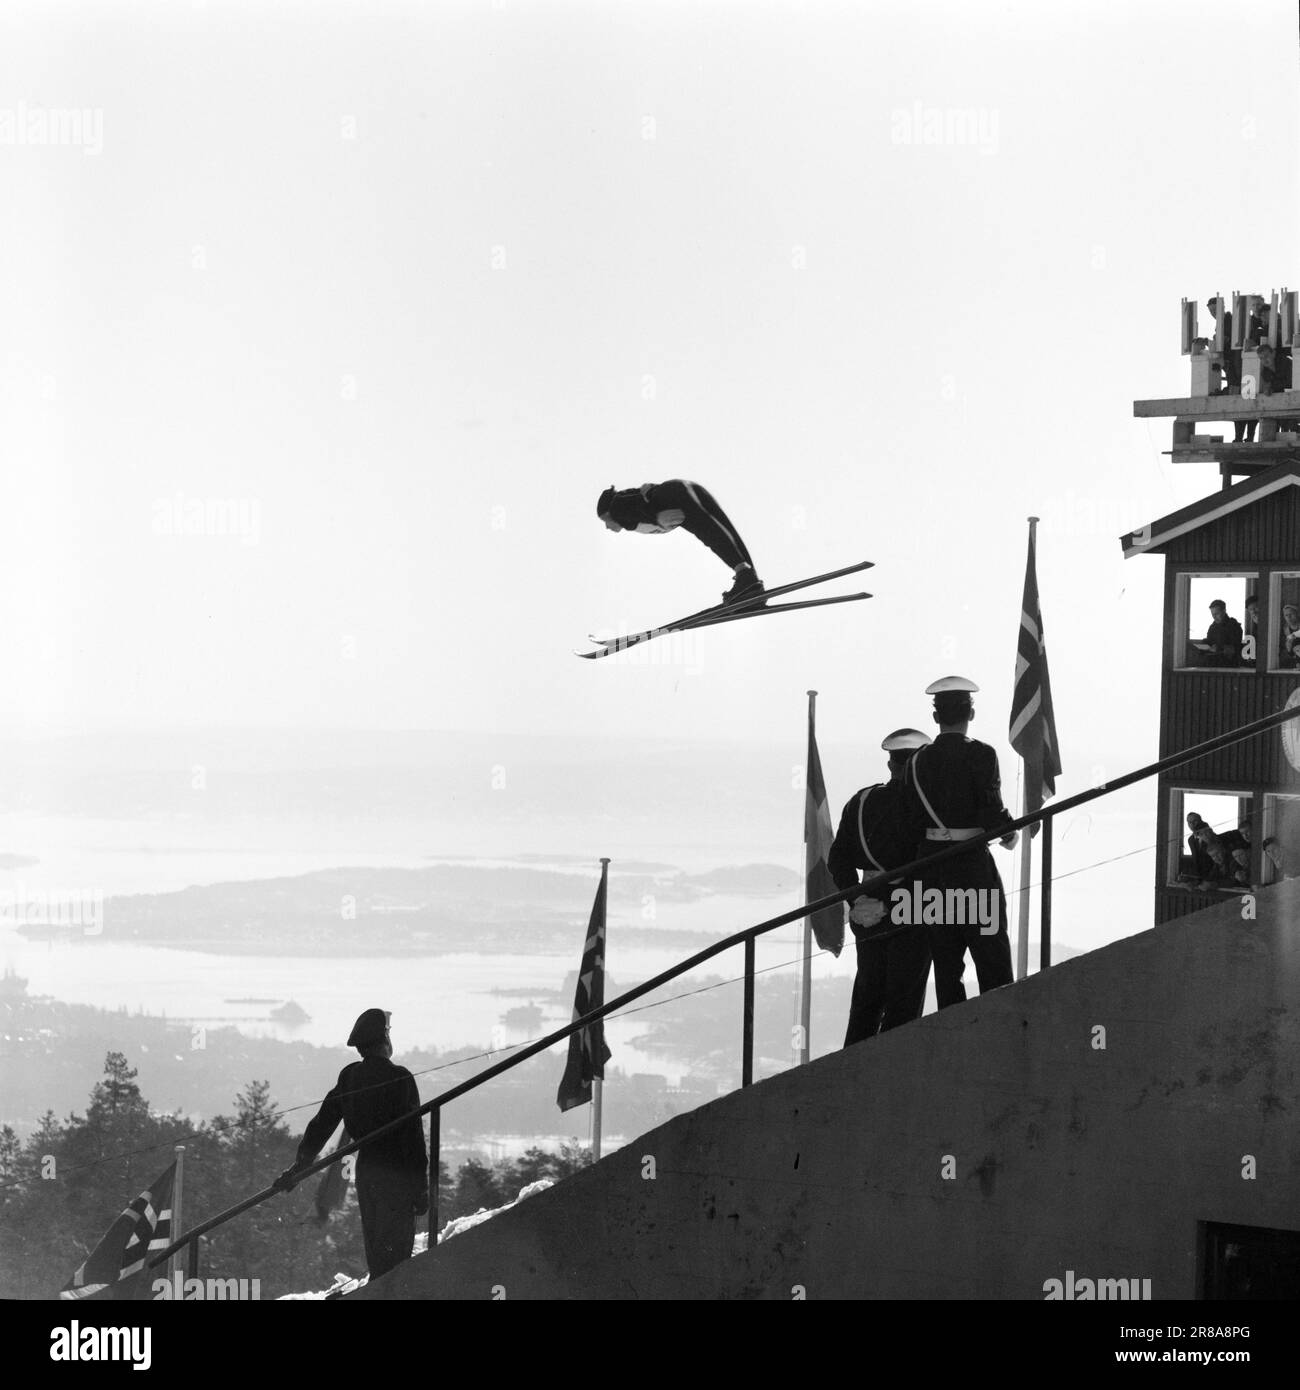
column 476, row 1187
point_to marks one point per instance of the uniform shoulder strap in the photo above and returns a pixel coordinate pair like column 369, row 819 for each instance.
column 920, row 791
column 862, row 832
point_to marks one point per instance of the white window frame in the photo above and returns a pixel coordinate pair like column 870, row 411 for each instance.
column 1178, row 814
column 1274, row 612
column 1181, row 633
column 1268, row 874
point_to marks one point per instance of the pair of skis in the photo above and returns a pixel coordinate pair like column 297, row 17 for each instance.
column 755, row 607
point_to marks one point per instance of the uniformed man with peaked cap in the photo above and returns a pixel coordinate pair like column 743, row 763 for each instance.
column 893, row 961
column 954, row 793
column 392, row 1173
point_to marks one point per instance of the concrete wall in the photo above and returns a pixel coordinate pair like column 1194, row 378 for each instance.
column 1066, row 1156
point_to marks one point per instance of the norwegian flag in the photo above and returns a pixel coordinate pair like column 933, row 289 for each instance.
column 828, row 924
column 117, row 1268
column 1033, row 721
column 587, row 1051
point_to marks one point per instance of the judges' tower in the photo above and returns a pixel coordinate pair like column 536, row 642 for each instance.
column 1240, row 546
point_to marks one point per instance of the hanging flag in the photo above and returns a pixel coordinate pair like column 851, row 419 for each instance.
column 117, row 1268
column 587, row 1051
column 1033, row 723
column 333, row 1186
column 828, row 924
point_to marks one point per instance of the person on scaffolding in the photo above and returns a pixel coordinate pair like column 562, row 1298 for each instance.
column 656, row 508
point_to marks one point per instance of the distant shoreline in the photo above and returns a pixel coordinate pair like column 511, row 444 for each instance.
column 371, row 950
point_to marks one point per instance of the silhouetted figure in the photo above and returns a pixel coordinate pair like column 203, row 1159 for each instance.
column 955, row 793
column 392, row 1172
column 1202, row 864
column 654, row 508
column 875, row 833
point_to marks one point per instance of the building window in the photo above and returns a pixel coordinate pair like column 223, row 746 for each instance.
column 1210, row 840
column 1283, row 618
column 1281, row 838
column 1213, row 622
column 1248, row 1262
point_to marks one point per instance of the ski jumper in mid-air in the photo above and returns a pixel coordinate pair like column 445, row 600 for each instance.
column 655, row 508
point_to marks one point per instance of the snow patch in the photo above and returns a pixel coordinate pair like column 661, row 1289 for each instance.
column 346, row 1283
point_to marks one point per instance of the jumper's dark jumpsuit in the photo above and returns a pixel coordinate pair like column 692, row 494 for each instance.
column 638, row 509
column 393, row 1171
column 889, row 987
column 955, row 793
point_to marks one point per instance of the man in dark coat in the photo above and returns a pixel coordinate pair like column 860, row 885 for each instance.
column 1223, row 637
column 893, row 961
column 392, row 1171
column 954, row 791
column 655, row 508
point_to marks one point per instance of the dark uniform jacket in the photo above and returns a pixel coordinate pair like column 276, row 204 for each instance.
column 961, row 781
column 874, row 833
column 369, row 1094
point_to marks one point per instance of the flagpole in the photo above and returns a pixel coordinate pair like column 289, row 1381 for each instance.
column 1022, row 930
column 805, row 1003
column 1026, row 845
column 177, row 1189
column 1045, row 902
column 598, row 1082
column 597, row 1086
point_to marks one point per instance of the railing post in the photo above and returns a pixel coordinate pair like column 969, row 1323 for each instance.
column 747, row 1023
column 435, row 1168
column 192, row 1259
column 1045, row 908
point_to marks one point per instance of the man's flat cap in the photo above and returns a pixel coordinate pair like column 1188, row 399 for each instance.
column 370, row 1027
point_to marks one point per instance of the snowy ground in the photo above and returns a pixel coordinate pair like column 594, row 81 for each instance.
column 346, row 1283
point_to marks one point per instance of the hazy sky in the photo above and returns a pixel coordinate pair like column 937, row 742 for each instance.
column 409, row 285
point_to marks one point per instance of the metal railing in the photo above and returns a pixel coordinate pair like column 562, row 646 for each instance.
column 745, row 938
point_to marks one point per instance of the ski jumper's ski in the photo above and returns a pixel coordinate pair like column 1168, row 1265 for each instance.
column 729, row 612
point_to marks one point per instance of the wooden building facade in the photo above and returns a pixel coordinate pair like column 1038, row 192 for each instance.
column 1239, row 544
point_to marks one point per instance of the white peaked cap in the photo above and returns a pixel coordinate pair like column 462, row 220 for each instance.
column 950, row 683
column 902, row 739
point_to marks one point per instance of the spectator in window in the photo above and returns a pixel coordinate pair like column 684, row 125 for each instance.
column 1251, row 623
column 1202, row 864
column 1273, row 853
column 1224, row 637
column 1233, row 840
column 1290, row 635
column 1241, row 866
column 1222, row 867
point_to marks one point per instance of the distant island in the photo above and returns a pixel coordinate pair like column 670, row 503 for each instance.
column 18, row 861
column 438, row 910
